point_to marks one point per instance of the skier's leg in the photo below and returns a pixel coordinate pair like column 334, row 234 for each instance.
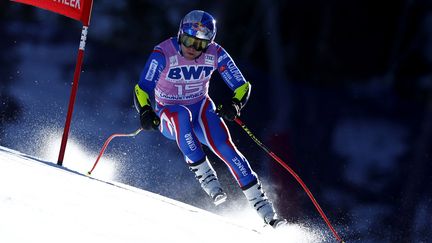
column 214, row 133
column 207, row 177
column 176, row 124
column 258, row 200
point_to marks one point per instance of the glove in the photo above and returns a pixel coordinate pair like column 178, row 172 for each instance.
column 148, row 118
column 229, row 111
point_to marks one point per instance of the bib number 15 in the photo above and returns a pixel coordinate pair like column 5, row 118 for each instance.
column 188, row 89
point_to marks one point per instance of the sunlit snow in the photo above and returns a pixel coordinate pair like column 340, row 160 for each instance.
column 42, row 202
column 76, row 156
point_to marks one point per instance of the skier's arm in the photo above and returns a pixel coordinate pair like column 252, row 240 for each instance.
column 236, row 81
column 148, row 78
column 145, row 87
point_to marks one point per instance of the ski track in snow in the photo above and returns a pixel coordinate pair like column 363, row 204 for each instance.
column 43, row 202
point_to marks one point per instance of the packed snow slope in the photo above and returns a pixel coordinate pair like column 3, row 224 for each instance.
column 43, row 202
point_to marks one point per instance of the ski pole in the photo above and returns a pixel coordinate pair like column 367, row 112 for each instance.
column 292, row 172
column 133, row 134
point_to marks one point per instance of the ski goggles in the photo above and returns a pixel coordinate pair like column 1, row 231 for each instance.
column 190, row 41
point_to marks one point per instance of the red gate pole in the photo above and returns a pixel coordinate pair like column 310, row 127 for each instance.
column 292, row 172
column 80, row 11
column 72, row 98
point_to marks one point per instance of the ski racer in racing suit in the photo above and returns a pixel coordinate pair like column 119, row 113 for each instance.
column 177, row 74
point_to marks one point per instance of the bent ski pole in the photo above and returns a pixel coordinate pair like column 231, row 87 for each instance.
column 133, row 134
column 292, row 172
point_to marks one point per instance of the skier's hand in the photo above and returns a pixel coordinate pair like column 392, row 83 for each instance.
column 229, row 111
column 148, row 118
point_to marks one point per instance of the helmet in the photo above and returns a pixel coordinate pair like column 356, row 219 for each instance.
column 198, row 24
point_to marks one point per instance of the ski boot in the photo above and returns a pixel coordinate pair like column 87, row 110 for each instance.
column 277, row 222
column 219, row 197
column 263, row 206
column 206, row 176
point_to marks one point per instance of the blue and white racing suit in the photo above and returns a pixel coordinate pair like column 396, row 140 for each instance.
column 187, row 113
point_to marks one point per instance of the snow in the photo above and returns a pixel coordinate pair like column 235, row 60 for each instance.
column 43, row 202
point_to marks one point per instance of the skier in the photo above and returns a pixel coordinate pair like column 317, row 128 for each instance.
column 177, row 74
